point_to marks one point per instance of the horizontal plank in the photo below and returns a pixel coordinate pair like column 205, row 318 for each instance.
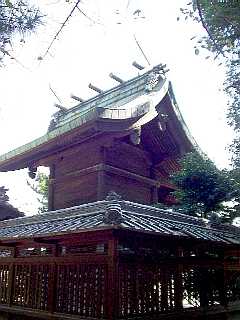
column 39, row 314
column 78, row 259
column 212, row 312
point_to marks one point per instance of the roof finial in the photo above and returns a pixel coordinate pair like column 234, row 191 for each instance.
column 91, row 86
column 61, row 108
column 77, row 98
column 113, row 213
column 137, row 65
column 116, row 78
column 112, row 195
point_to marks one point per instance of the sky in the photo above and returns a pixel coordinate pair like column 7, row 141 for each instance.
column 87, row 50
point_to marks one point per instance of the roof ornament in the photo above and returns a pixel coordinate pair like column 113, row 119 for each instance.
column 214, row 219
column 94, row 88
column 154, row 77
column 61, row 108
column 32, row 171
column 156, row 74
column 116, row 78
column 55, row 119
column 76, row 98
column 135, row 136
column 162, row 121
column 113, row 213
column 113, row 196
column 137, row 65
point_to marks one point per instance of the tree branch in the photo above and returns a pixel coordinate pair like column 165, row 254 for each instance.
column 140, row 48
column 206, row 28
column 60, row 29
column 86, row 16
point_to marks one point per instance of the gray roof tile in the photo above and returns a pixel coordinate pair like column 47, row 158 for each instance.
column 133, row 216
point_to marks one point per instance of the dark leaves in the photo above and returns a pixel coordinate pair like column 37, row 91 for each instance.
column 203, row 187
column 16, row 16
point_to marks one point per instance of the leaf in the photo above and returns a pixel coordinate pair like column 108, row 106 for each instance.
column 9, row 3
column 197, row 51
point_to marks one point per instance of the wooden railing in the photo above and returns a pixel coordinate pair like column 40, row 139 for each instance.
column 110, row 286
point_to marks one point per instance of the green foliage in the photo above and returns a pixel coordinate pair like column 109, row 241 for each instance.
column 7, row 211
column 3, row 195
column 16, row 17
column 203, row 188
column 41, row 188
column 221, row 21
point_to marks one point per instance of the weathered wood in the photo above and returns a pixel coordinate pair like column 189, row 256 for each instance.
column 77, row 176
column 112, row 282
column 106, row 274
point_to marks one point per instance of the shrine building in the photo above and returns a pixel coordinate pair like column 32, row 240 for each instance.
column 104, row 250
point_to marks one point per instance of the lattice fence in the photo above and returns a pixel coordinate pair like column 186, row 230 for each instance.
column 4, row 283
column 81, row 289
column 31, row 286
column 232, row 285
column 145, row 290
column 142, row 288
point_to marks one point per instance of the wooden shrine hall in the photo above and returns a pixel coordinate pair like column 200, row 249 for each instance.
column 103, row 250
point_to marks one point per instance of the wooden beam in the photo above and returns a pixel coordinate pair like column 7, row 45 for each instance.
column 94, row 88
column 101, row 185
column 137, row 65
column 45, row 241
column 63, row 109
column 51, row 188
column 116, row 78
column 113, row 305
column 77, row 98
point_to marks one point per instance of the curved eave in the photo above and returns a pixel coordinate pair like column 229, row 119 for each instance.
column 62, row 138
column 139, row 112
column 169, row 139
column 94, row 119
column 190, row 141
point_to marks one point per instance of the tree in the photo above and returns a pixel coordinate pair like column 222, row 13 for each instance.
column 203, row 188
column 16, row 17
column 221, row 21
column 7, row 211
column 41, row 188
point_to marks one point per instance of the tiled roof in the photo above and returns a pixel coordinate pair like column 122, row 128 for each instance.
column 123, row 214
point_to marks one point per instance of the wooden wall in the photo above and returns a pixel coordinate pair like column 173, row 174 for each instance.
column 87, row 172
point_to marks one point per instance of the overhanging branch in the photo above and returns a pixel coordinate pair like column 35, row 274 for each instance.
column 60, row 29
column 206, row 28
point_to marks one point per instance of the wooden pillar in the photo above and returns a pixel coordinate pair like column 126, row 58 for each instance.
column 11, row 280
column 101, row 185
column 222, row 288
column 51, row 188
column 101, row 192
column 204, row 287
column 112, row 286
column 154, row 195
column 154, row 190
column 178, row 292
column 164, row 289
column 52, row 283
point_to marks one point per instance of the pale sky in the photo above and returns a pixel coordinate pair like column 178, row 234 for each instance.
column 88, row 51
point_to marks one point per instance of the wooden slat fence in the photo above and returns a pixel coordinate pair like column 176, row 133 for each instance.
column 89, row 285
